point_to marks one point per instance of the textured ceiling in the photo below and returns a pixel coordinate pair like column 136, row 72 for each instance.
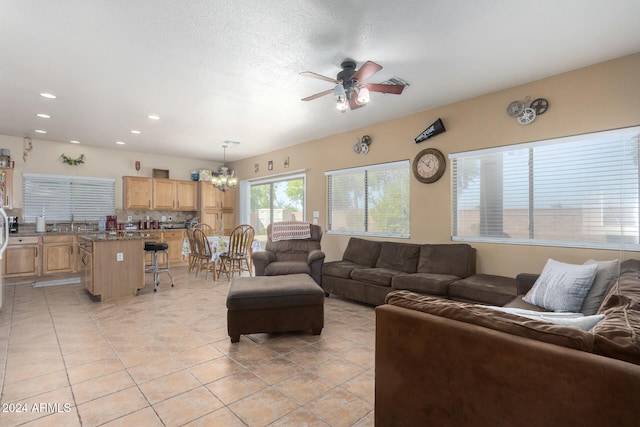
column 218, row 70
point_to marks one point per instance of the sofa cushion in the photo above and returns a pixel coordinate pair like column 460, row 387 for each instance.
column 398, row 256
column 454, row 259
column 607, row 271
column 362, row 252
column 484, row 288
column 565, row 336
column 376, row 276
column 561, row 286
column 340, row 268
column 424, row 283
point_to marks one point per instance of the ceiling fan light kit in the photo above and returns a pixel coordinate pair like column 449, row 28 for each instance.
column 350, row 91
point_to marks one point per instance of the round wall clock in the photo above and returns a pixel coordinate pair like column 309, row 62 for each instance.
column 429, row 165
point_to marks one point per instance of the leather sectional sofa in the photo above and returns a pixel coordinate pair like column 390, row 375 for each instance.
column 369, row 270
column 443, row 362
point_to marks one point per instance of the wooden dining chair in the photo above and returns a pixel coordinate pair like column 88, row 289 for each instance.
column 237, row 258
column 193, row 251
column 208, row 230
column 203, row 254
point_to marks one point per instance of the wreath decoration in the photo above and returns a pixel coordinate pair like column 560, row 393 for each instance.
column 73, row 162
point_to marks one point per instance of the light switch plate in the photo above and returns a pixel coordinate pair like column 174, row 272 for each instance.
column 316, row 214
column 120, row 256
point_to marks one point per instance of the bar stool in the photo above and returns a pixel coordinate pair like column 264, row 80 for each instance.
column 156, row 247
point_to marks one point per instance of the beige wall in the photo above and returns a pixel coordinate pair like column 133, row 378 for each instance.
column 600, row 97
column 104, row 163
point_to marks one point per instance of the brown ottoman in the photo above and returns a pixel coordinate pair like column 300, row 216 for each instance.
column 286, row 303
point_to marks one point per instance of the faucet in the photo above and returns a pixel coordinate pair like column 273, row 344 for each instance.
column 71, row 222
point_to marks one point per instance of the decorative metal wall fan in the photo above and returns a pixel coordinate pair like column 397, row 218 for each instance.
column 350, row 90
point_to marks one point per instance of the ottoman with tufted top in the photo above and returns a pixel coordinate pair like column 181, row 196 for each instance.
column 264, row 304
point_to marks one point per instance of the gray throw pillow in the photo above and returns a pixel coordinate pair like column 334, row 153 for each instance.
column 562, row 287
column 607, row 271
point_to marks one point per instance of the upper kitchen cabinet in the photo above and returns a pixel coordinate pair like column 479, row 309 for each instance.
column 171, row 194
column 212, row 198
column 137, row 192
column 187, row 195
column 6, row 187
column 159, row 194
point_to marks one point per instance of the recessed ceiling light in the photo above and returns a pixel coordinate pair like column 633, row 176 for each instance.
column 40, row 131
column 153, row 117
column 43, row 116
column 73, row 141
column 48, row 95
column 120, row 143
column 137, row 132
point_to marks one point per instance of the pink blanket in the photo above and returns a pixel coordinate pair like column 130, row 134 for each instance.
column 289, row 230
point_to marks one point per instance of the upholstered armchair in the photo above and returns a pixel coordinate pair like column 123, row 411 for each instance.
column 291, row 256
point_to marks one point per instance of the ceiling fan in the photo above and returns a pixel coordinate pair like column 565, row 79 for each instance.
column 350, row 90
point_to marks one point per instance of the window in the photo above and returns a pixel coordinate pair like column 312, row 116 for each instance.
column 578, row 191
column 274, row 200
column 371, row 200
column 58, row 197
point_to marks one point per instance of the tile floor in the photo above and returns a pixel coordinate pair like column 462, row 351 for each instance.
column 165, row 359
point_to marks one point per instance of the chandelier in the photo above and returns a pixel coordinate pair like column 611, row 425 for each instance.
column 225, row 180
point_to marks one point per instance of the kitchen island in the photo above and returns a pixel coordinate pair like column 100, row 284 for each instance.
column 112, row 266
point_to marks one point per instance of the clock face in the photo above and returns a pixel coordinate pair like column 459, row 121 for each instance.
column 429, row 165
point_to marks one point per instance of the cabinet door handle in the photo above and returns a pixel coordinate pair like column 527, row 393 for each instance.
column 36, row 251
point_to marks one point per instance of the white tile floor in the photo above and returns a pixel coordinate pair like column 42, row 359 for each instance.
column 165, row 359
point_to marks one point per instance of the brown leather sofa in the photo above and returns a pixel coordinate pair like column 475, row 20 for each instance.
column 369, row 270
column 447, row 363
column 296, row 256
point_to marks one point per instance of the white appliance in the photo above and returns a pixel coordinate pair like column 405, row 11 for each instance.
column 4, row 241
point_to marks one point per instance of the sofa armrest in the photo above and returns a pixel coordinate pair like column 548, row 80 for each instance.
column 315, row 255
column 524, row 282
column 261, row 259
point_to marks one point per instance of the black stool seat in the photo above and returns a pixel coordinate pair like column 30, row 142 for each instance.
column 155, row 246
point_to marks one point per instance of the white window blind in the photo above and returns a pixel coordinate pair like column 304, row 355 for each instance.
column 371, row 200
column 59, row 197
column 578, row 191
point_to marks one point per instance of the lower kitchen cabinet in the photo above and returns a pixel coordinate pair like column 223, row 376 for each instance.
column 59, row 254
column 22, row 257
column 174, row 240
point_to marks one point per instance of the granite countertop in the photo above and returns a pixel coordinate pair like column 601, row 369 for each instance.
column 31, row 232
column 121, row 235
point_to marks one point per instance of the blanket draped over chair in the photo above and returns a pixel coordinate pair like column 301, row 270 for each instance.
column 289, row 230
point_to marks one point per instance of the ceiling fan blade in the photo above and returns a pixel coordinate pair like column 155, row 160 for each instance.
column 353, row 104
column 378, row 87
column 367, row 70
column 318, row 95
column 318, row 76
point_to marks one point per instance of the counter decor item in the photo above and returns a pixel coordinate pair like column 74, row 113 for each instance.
column 40, row 225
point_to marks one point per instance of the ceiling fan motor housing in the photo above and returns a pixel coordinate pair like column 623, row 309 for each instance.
column 348, row 70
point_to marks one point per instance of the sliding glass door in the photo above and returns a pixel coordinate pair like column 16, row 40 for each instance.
column 274, row 200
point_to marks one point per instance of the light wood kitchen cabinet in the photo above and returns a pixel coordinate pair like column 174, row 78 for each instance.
column 6, row 188
column 22, row 257
column 216, row 207
column 164, row 194
column 175, row 195
column 175, row 240
column 187, row 195
column 59, row 254
column 137, row 192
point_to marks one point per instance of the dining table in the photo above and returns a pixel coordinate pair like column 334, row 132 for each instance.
column 219, row 245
